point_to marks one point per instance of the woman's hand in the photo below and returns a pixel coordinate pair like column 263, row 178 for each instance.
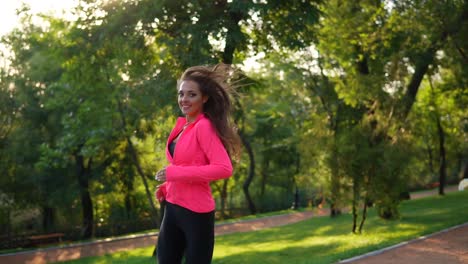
column 161, row 192
column 161, row 175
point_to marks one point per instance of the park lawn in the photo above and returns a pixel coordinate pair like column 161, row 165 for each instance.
column 323, row 239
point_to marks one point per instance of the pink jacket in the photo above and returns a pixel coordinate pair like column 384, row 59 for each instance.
column 199, row 158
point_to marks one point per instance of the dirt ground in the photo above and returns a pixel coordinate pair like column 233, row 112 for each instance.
column 450, row 246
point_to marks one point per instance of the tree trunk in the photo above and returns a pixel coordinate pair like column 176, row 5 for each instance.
column 333, row 124
column 134, row 156
column 426, row 59
column 83, row 174
column 128, row 204
column 48, row 218
column 149, row 195
column 335, row 183
column 224, row 195
column 412, row 89
column 156, row 220
column 364, row 214
column 355, row 203
column 442, row 168
column 127, row 179
column 296, row 204
column 232, row 36
column 441, row 134
column 430, row 159
column 367, row 197
column 264, row 173
column 248, row 181
column 296, row 199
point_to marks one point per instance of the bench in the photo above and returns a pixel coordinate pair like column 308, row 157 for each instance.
column 45, row 239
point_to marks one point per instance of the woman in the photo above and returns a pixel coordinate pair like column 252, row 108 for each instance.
column 198, row 150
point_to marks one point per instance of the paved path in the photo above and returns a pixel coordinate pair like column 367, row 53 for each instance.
column 266, row 222
column 433, row 192
column 446, row 247
column 450, row 247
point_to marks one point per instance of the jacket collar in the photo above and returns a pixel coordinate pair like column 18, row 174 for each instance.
column 181, row 121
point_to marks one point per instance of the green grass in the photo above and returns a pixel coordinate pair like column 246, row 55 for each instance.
column 226, row 221
column 323, row 240
column 261, row 215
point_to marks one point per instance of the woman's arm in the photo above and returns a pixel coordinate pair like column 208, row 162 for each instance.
column 219, row 167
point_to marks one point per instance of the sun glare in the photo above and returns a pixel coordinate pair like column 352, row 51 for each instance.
column 9, row 19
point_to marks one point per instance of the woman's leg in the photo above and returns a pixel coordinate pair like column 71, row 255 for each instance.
column 171, row 239
column 199, row 233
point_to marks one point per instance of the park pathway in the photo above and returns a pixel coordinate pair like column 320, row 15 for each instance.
column 446, row 247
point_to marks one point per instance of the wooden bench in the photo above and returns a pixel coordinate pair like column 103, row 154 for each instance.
column 45, row 239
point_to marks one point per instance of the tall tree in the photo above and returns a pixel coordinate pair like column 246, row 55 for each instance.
column 374, row 44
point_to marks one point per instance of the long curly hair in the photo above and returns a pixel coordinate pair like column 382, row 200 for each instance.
column 214, row 82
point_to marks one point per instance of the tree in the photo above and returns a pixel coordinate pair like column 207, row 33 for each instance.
column 31, row 69
column 438, row 121
column 373, row 44
column 71, row 64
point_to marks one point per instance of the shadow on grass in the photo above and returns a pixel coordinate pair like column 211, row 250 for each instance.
column 292, row 232
column 324, row 239
column 136, row 256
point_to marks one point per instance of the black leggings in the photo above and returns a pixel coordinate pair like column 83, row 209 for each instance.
column 184, row 231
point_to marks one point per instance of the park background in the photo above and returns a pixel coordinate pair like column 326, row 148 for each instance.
column 340, row 104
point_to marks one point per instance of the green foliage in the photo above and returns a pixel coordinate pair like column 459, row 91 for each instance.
column 378, row 52
column 376, row 168
column 438, row 103
column 75, row 112
column 284, row 24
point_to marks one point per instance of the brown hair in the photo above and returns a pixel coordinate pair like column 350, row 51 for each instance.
column 214, row 82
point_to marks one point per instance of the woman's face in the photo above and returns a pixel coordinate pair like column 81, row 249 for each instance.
column 191, row 99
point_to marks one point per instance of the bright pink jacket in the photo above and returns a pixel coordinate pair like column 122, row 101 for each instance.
column 199, row 158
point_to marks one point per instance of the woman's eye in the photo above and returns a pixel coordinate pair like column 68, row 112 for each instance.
column 189, row 95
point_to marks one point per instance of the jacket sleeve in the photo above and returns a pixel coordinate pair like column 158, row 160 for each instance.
column 161, row 193
column 219, row 164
